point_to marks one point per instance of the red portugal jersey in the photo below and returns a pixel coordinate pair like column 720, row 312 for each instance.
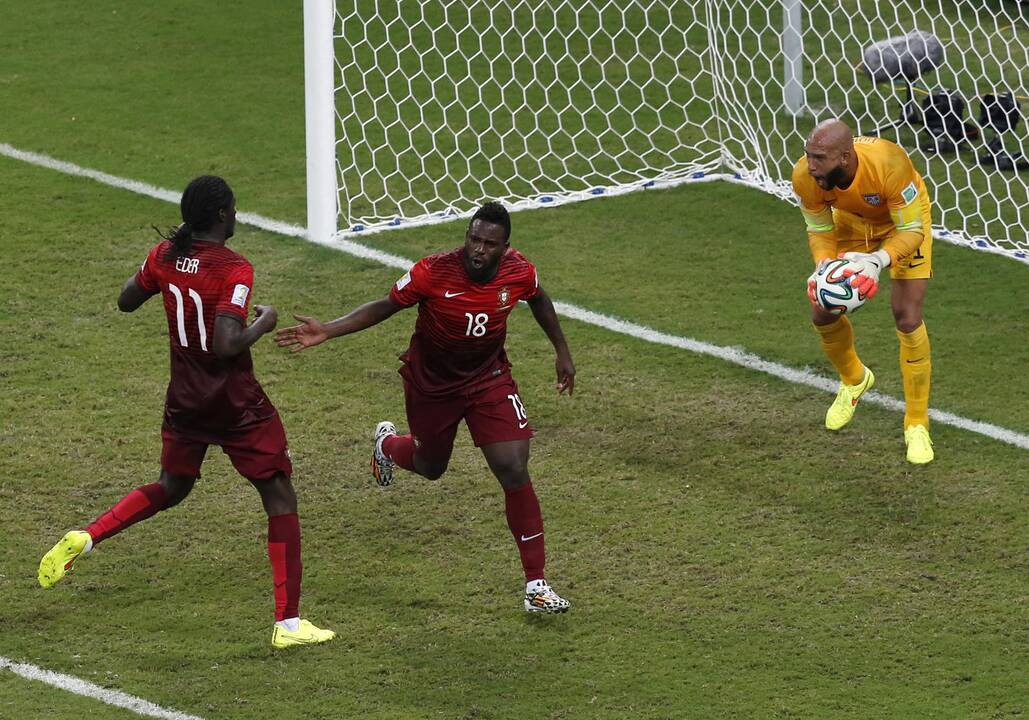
column 205, row 393
column 458, row 341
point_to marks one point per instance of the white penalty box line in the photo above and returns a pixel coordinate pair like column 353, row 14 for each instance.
column 732, row 355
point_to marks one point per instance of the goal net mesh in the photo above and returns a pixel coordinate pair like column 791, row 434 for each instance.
column 443, row 105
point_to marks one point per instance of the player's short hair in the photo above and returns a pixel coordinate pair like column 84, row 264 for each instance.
column 201, row 201
column 495, row 213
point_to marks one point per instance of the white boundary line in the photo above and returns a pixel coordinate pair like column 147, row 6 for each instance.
column 88, row 689
column 735, row 356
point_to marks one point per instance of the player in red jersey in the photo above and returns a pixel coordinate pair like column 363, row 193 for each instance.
column 213, row 397
column 456, row 368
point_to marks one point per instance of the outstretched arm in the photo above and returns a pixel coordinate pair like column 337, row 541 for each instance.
column 231, row 338
column 543, row 310
column 310, row 332
column 132, row 295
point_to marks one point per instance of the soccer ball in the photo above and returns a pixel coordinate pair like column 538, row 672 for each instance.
column 833, row 291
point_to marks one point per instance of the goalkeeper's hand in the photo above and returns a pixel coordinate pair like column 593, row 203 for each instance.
column 864, row 276
column 811, row 292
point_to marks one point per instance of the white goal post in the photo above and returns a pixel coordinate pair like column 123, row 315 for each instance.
column 418, row 111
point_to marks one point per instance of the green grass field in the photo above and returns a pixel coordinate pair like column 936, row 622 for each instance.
column 725, row 556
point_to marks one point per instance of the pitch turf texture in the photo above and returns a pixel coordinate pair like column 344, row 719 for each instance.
column 725, row 556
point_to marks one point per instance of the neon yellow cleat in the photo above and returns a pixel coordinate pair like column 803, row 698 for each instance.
column 920, row 445
column 62, row 556
column 842, row 408
column 307, row 634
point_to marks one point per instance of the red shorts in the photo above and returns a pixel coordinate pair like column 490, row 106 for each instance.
column 258, row 453
column 494, row 414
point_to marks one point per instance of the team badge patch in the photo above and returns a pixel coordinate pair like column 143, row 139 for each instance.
column 873, row 199
column 239, row 295
column 502, row 297
column 909, row 193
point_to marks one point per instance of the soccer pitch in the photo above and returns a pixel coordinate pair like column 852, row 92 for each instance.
column 725, row 556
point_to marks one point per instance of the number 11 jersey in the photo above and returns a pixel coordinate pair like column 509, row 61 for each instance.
column 206, row 394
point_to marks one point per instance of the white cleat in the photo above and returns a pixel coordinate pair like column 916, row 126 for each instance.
column 382, row 466
column 541, row 598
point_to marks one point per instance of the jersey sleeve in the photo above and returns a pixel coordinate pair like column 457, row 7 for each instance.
column 146, row 276
column 414, row 286
column 234, row 298
column 907, row 204
column 821, row 229
column 532, row 283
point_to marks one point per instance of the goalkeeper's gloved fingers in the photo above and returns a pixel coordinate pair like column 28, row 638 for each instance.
column 865, row 285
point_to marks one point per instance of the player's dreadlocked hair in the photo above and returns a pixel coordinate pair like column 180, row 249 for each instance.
column 495, row 213
column 201, row 201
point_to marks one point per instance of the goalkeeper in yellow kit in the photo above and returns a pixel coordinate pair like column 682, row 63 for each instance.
column 863, row 199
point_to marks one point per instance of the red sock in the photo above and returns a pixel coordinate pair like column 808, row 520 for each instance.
column 138, row 505
column 400, row 449
column 526, row 523
column 284, row 553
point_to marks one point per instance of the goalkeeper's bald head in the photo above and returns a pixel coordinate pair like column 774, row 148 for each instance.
column 830, row 154
column 833, row 135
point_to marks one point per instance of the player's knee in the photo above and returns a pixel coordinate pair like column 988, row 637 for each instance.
column 435, row 472
column 277, row 494
column 907, row 319
column 176, row 487
column 511, row 473
column 432, row 471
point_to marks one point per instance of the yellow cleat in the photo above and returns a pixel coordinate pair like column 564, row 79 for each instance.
column 920, row 445
column 842, row 408
column 62, row 556
column 306, row 634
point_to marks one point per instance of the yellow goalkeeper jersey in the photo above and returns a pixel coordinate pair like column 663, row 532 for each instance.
column 887, row 202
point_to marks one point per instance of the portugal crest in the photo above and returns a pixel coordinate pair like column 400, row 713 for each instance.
column 502, row 297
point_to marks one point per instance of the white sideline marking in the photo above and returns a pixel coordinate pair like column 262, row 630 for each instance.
column 88, row 689
column 736, row 356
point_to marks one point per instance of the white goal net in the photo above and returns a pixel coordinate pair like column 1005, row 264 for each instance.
column 437, row 106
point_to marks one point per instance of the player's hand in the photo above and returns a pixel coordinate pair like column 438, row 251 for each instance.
column 267, row 315
column 307, row 334
column 864, row 275
column 812, row 279
column 565, row 374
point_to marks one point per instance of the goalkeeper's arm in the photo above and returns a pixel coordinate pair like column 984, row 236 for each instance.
column 901, row 244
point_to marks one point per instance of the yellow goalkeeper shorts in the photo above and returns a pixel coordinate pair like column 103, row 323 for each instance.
column 854, row 234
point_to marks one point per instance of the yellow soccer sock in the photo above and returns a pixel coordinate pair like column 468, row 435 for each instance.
column 916, row 369
column 838, row 345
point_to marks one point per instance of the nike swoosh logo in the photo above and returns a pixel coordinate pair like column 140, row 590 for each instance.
column 526, row 539
column 914, row 361
column 522, row 424
column 449, row 294
column 914, row 265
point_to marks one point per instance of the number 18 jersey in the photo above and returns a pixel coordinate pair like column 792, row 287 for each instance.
column 205, row 393
column 458, row 341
